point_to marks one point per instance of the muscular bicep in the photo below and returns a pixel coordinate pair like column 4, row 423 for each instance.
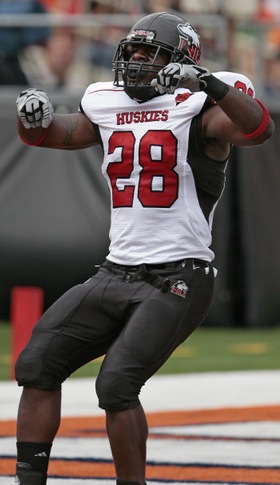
column 71, row 132
column 68, row 132
column 217, row 125
column 235, row 117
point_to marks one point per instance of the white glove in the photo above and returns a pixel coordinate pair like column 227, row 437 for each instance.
column 176, row 75
column 34, row 108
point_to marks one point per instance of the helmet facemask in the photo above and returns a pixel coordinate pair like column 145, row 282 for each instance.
column 135, row 76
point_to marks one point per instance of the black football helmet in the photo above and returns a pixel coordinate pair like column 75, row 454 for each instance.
column 168, row 34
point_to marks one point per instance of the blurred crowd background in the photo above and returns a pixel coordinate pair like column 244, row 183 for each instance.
column 54, row 206
column 74, row 45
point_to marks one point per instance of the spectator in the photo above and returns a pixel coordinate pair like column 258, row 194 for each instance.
column 67, row 6
column 200, row 6
column 54, row 65
column 152, row 6
column 13, row 40
column 268, row 13
column 272, row 75
column 103, row 39
column 269, row 10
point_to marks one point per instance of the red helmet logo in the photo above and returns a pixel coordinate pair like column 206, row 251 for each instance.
column 189, row 41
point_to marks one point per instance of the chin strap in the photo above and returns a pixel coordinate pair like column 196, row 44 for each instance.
column 141, row 94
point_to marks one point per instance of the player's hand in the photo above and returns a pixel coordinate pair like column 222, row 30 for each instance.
column 34, row 108
column 176, row 75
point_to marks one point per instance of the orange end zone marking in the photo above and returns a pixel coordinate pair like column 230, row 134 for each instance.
column 95, row 425
column 76, row 469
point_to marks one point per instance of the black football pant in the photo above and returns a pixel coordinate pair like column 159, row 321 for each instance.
column 134, row 315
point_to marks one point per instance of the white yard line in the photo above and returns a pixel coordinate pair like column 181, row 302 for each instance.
column 171, row 393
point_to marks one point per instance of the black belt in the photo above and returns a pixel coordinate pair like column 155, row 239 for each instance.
column 170, row 265
column 143, row 271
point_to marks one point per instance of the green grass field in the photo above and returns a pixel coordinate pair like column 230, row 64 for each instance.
column 208, row 349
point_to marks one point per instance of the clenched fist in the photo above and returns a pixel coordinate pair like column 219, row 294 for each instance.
column 176, row 75
column 34, row 108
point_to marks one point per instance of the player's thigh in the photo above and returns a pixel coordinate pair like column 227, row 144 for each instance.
column 72, row 332
column 158, row 325
column 164, row 320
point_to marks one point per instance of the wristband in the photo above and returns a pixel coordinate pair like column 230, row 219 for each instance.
column 216, row 88
column 262, row 126
column 37, row 142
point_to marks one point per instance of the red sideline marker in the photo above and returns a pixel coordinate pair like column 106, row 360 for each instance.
column 26, row 309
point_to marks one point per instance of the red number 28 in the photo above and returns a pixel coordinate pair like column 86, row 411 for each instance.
column 158, row 181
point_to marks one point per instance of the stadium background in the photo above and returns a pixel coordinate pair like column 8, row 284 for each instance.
column 222, row 427
column 54, row 205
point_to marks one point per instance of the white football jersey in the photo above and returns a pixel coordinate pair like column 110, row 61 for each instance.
column 156, row 213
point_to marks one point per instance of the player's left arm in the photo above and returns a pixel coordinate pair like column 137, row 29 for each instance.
column 236, row 118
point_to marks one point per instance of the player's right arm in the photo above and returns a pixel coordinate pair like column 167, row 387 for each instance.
column 38, row 125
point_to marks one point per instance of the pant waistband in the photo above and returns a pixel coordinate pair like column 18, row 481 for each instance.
column 144, row 271
column 170, row 265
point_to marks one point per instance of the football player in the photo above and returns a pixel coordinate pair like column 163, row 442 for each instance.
column 166, row 126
